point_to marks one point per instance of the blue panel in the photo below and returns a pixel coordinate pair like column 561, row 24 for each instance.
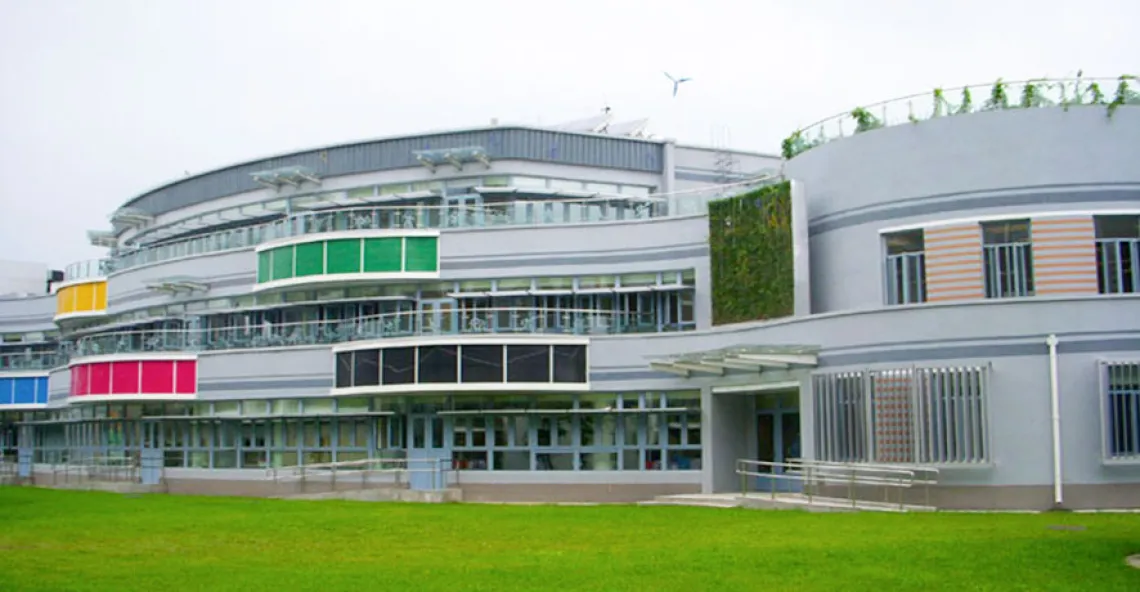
column 6, row 385
column 42, row 390
column 25, row 391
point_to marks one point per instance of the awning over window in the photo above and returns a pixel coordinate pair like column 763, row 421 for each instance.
column 174, row 285
column 456, row 157
column 751, row 358
column 290, row 175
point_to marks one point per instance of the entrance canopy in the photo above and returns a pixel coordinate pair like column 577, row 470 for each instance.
column 749, row 358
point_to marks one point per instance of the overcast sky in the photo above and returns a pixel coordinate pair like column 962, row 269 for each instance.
column 101, row 100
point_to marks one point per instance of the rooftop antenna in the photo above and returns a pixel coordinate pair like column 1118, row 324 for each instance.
column 676, row 82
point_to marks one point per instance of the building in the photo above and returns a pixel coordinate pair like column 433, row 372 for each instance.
column 569, row 314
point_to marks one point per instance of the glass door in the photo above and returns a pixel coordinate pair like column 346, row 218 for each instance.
column 428, row 451
column 437, row 317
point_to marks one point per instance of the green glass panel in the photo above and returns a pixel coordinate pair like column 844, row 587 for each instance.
column 283, row 263
column 264, row 269
column 310, row 259
column 423, row 253
column 382, row 254
column 344, row 255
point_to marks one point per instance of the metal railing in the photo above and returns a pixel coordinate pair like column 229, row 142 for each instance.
column 854, row 483
column 30, row 360
column 396, row 324
column 451, row 215
column 439, row 473
column 77, row 470
column 1107, row 93
column 1118, row 266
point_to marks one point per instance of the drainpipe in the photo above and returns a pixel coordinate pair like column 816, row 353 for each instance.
column 1055, row 404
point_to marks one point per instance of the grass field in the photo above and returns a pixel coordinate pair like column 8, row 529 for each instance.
column 76, row 541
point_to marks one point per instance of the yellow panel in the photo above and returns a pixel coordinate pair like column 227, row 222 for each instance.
column 84, row 297
column 64, row 300
column 101, row 296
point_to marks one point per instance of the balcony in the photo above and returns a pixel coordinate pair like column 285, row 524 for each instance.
column 425, row 322
column 92, row 269
column 488, row 206
column 29, row 360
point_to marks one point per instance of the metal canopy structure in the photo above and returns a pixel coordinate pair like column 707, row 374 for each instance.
column 751, row 358
column 542, row 192
column 175, row 285
column 124, row 218
column 102, row 238
column 456, row 157
column 291, row 175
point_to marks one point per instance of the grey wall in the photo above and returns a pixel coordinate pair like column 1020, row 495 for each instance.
column 986, row 164
column 1009, row 334
column 24, row 315
column 229, row 273
column 266, row 373
column 700, row 165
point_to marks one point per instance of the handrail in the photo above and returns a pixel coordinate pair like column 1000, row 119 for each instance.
column 439, row 468
column 813, row 474
column 592, row 209
column 1023, row 94
column 395, row 324
column 30, row 360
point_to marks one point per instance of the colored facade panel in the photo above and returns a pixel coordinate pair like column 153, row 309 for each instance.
column 264, row 266
column 309, row 259
column 349, row 256
column 23, row 390
column 343, row 256
column 283, row 263
column 954, row 263
column 89, row 297
column 421, row 254
column 134, row 377
column 383, row 255
column 1064, row 255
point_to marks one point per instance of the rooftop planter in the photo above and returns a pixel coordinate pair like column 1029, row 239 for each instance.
column 999, row 95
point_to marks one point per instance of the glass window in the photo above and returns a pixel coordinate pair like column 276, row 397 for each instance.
column 595, row 281
column 511, row 284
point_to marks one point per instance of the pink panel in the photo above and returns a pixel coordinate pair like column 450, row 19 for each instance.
column 157, row 377
column 82, row 384
column 76, row 371
column 186, row 379
column 125, row 378
column 100, row 379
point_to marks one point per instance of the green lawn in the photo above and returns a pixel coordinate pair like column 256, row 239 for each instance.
column 75, row 541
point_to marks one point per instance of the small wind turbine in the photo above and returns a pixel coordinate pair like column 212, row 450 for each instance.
column 676, row 82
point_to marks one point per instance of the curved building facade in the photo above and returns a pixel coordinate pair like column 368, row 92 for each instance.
column 562, row 315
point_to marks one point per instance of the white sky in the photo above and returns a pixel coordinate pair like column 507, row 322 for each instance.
column 101, row 100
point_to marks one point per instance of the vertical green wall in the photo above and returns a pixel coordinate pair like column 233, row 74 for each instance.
column 750, row 248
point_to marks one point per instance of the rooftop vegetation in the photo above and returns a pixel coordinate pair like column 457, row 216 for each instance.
column 1107, row 93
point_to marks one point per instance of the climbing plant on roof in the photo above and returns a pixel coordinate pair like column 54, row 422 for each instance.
column 750, row 248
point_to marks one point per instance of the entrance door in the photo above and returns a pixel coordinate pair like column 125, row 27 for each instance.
column 437, row 317
column 778, row 441
column 428, row 452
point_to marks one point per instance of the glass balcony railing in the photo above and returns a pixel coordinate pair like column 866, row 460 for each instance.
column 29, row 360
column 457, row 214
column 82, row 270
column 400, row 324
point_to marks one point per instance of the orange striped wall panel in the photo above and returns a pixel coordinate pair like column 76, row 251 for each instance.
column 1064, row 255
column 954, row 262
